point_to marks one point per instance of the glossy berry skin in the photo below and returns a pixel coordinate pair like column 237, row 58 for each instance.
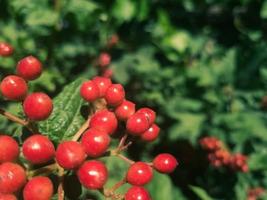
column 29, row 68
column 6, row 49
column 38, row 106
column 38, row 188
column 9, row 149
column 125, row 110
column 12, row 177
column 104, row 59
column 103, row 84
column 139, row 174
column 165, row 163
column 14, row 88
column 104, row 120
column 137, row 193
column 93, row 174
column 115, row 95
column 151, row 134
column 137, row 124
column 7, row 197
column 95, row 142
column 151, row 115
column 38, row 149
column 70, row 154
column 89, row 91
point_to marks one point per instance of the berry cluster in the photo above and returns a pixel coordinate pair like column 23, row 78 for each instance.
column 219, row 156
column 80, row 154
column 255, row 193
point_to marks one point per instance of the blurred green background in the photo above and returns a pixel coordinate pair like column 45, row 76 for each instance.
column 202, row 65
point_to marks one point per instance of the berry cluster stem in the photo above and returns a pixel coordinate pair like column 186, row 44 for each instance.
column 13, row 117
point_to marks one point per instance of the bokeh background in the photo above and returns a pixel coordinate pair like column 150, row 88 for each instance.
column 201, row 65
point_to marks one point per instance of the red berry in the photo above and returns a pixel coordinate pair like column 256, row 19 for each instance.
column 7, row 197
column 38, row 188
column 38, row 106
column 151, row 134
column 103, row 84
column 115, row 95
column 14, row 88
column 125, row 110
column 165, row 163
column 113, row 40
column 95, row 142
column 139, row 174
column 137, row 124
column 29, row 68
column 93, row 174
column 137, row 193
column 38, row 149
column 151, row 115
column 104, row 59
column 12, row 177
column 9, row 149
column 89, row 91
column 104, row 120
column 107, row 73
column 6, row 49
column 210, row 143
column 70, row 154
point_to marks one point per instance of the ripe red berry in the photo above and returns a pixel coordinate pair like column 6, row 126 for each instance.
column 104, row 120
column 38, row 149
column 93, row 174
column 95, row 142
column 137, row 124
column 9, row 149
column 12, row 177
column 125, row 110
column 137, row 193
column 6, row 49
column 151, row 134
column 38, row 106
column 103, row 84
column 29, row 68
column 107, row 73
column 115, row 95
column 104, row 59
column 89, row 91
column 139, row 174
column 70, row 154
column 7, row 197
column 165, row 163
column 151, row 115
column 14, row 88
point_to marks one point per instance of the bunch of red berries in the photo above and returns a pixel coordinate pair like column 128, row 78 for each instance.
column 108, row 108
column 255, row 193
column 219, row 156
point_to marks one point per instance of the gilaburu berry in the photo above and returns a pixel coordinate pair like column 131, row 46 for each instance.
column 9, row 149
column 137, row 193
column 137, row 124
column 6, row 49
column 29, row 68
column 165, row 163
column 103, row 84
column 151, row 134
column 125, row 110
column 7, row 197
column 139, row 174
column 104, row 59
column 115, row 95
column 89, row 91
column 151, row 115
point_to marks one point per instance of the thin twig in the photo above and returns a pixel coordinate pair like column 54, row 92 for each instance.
column 125, row 159
column 81, row 130
column 13, row 117
column 60, row 189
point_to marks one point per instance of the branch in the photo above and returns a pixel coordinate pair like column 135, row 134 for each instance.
column 13, row 117
column 60, row 189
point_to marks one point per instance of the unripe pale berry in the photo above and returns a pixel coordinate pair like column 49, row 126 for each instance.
column 125, row 110
column 137, row 124
column 151, row 134
column 9, row 149
column 38, row 149
column 115, row 95
column 70, row 154
column 7, row 197
column 103, row 84
column 151, row 115
column 104, row 59
column 93, row 174
column 38, row 106
column 12, row 177
column 95, row 142
column 165, row 163
column 137, row 193
column 89, row 91
column 38, row 188
column 104, row 120
column 14, row 88
column 6, row 49
column 139, row 174
column 29, row 68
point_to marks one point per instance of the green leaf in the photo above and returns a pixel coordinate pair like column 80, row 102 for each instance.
column 202, row 194
column 263, row 12
column 124, row 10
column 42, row 17
column 66, row 118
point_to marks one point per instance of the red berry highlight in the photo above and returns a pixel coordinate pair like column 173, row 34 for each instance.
column 93, row 174
column 137, row 124
column 137, row 193
column 38, row 106
column 103, row 84
column 151, row 134
column 115, row 95
column 89, row 91
column 9, row 149
column 125, row 110
column 165, row 163
column 151, row 115
column 139, row 174
column 29, row 68
column 6, row 49
column 14, row 88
